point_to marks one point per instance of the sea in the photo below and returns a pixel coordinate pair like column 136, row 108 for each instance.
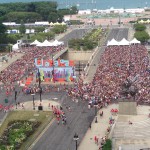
column 93, row 4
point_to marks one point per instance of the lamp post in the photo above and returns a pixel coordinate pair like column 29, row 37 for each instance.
column 53, row 68
column 33, row 101
column 16, row 98
column 79, row 68
column 76, row 138
column 95, row 105
column 40, row 85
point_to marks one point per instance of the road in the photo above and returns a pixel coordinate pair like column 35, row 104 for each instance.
column 75, row 34
column 118, row 34
column 60, row 137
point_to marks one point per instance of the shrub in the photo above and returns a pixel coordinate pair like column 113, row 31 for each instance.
column 107, row 145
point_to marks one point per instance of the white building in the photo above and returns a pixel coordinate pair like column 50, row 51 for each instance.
column 84, row 12
column 45, row 23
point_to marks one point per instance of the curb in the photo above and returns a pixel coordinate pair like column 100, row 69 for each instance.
column 41, row 134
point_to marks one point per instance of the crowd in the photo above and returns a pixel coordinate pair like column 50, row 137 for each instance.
column 20, row 68
column 117, row 65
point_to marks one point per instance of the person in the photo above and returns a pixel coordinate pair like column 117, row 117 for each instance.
column 90, row 126
column 130, row 122
column 101, row 113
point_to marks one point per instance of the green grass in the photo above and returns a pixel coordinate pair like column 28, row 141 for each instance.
column 44, row 117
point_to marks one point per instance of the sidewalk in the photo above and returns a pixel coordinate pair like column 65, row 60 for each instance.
column 10, row 61
column 45, row 103
column 97, row 129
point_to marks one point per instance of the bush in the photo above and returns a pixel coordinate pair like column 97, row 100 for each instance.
column 16, row 133
column 57, row 29
column 108, row 145
column 139, row 27
column 142, row 36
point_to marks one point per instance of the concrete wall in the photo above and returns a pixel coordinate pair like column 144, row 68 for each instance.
column 77, row 55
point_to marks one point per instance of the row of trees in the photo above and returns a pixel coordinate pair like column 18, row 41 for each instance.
column 33, row 11
column 88, row 42
column 39, row 34
column 141, row 33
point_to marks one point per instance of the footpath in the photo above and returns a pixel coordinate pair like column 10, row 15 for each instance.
column 4, row 65
column 98, row 129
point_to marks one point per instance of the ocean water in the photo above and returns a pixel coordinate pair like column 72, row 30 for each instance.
column 94, row 4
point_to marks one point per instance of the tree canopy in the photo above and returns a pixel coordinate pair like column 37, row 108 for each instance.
column 142, row 36
column 33, row 11
column 139, row 27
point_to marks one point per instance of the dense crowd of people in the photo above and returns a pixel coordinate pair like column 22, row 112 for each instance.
column 20, row 68
column 118, row 65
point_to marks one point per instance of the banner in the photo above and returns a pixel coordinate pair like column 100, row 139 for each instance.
column 56, row 63
column 60, row 73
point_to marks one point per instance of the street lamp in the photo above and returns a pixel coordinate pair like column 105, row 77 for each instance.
column 53, row 68
column 40, row 84
column 16, row 98
column 76, row 138
column 95, row 105
column 33, row 101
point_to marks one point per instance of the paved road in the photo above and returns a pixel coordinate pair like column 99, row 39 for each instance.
column 118, row 34
column 60, row 137
column 75, row 34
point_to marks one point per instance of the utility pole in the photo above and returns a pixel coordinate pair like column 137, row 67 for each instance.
column 53, row 68
column 79, row 68
column 40, row 89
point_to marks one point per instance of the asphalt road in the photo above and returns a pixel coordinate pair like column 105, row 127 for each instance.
column 75, row 34
column 118, row 34
column 60, row 137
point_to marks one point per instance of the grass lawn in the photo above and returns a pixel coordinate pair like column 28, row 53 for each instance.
column 43, row 116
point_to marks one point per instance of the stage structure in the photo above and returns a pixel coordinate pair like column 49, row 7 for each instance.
column 59, row 70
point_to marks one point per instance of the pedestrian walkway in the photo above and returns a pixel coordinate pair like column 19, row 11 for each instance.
column 47, row 105
column 97, row 129
column 10, row 61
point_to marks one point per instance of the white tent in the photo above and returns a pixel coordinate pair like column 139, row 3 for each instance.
column 15, row 47
column 36, row 42
column 112, row 42
column 124, row 42
column 63, row 23
column 148, row 21
column 57, row 23
column 57, row 43
column 135, row 41
column 141, row 21
column 44, row 44
column 51, row 24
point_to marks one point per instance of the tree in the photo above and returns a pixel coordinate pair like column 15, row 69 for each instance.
column 52, row 17
column 2, row 29
column 3, row 34
column 139, row 27
column 23, row 16
column 142, row 36
column 22, row 28
column 39, row 29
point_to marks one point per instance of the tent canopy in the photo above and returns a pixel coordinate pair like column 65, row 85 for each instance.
column 112, row 42
column 15, row 47
column 47, row 43
column 135, row 41
column 124, row 42
column 36, row 42
column 56, row 43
